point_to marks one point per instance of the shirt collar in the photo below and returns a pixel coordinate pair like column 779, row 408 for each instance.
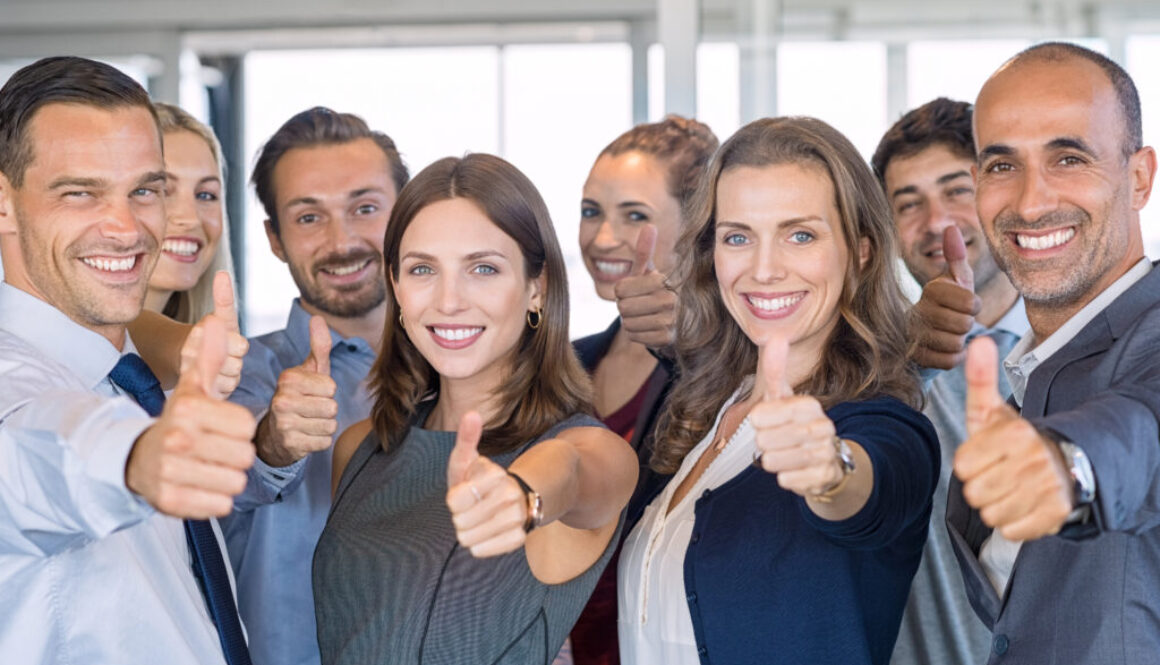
column 1027, row 355
column 298, row 331
column 88, row 354
column 1015, row 320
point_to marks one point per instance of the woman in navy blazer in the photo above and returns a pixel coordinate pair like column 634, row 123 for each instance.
column 803, row 472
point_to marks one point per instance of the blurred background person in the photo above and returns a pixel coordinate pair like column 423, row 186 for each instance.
column 630, row 217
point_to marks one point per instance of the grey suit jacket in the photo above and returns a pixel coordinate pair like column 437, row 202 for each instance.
column 1090, row 595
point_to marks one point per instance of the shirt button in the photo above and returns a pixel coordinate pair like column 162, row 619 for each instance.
column 692, row 597
column 1001, row 643
column 706, row 493
column 695, row 537
column 701, row 650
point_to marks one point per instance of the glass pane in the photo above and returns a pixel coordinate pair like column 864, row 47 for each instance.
column 562, row 104
column 718, row 86
column 1143, row 52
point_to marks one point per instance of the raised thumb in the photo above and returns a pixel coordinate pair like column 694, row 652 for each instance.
column 203, row 356
column 320, row 342
column 224, row 306
column 466, row 448
column 646, row 244
column 982, row 372
column 773, row 363
column 955, row 253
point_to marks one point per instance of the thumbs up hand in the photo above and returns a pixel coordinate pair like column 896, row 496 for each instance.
column 795, row 438
column 236, row 344
column 1011, row 474
column 193, row 460
column 303, row 411
column 647, row 307
column 946, row 311
column 488, row 507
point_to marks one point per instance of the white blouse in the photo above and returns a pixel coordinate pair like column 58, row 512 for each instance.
column 654, row 623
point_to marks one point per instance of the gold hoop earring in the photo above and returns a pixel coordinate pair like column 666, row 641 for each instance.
column 401, row 324
column 534, row 324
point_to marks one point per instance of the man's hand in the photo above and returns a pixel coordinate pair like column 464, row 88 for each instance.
column 946, row 311
column 1011, row 474
column 488, row 507
column 303, row 411
column 647, row 307
column 794, row 437
column 193, row 460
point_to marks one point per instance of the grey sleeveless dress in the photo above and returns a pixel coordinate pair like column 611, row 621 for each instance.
column 392, row 585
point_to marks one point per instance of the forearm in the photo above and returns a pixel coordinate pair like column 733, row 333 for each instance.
column 159, row 340
column 584, row 483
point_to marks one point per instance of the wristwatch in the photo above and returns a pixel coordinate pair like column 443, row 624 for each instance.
column 1079, row 467
column 846, row 462
column 535, row 508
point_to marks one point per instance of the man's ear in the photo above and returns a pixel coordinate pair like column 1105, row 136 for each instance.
column 275, row 242
column 1143, row 169
column 7, row 206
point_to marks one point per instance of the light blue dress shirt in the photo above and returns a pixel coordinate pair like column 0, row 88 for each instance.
column 272, row 547
column 89, row 572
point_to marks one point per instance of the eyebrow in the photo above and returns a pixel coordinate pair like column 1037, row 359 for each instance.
column 784, row 222
column 996, row 150
column 474, row 256
column 1071, row 142
column 88, row 183
column 944, row 179
column 311, row 200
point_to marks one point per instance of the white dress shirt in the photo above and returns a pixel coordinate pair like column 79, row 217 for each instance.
column 89, row 573
column 997, row 555
column 654, row 623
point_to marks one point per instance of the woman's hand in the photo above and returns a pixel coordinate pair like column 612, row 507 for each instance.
column 488, row 507
column 795, row 439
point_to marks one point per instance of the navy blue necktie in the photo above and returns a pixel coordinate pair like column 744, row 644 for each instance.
column 134, row 377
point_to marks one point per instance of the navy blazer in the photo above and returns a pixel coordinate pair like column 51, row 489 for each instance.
column 1087, row 596
column 591, row 350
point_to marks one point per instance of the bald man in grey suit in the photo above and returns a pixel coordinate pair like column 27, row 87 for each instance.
column 1055, row 511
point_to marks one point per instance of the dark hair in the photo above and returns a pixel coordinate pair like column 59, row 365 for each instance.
column 57, row 80
column 681, row 144
column 943, row 122
column 866, row 354
column 314, row 127
column 545, row 383
column 1121, row 82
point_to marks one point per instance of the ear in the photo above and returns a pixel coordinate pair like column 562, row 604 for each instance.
column 275, row 242
column 539, row 290
column 1143, row 170
column 863, row 251
column 7, row 206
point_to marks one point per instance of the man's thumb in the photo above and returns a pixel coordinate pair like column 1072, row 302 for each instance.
column 202, row 356
column 982, row 372
column 955, row 253
column 320, row 342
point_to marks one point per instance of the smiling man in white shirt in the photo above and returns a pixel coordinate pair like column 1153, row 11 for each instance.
column 96, row 563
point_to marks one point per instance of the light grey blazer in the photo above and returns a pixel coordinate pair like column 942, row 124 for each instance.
column 1091, row 595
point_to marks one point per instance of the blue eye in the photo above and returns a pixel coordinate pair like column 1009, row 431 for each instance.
column 205, row 196
column 421, row 269
column 484, row 269
column 801, row 237
column 734, row 239
column 637, row 216
column 588, row 212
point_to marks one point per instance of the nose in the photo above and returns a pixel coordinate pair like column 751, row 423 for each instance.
column 1036, row 196
column 450, row 294
column 769, row 267
column 606, row 236
column 179, row 214
column 119, row 223
column 938, row 216
column 340, row 234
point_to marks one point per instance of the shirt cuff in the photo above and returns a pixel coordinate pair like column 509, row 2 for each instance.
column 278, row 478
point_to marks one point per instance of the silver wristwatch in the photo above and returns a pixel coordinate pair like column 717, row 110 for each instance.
column 1083, row 479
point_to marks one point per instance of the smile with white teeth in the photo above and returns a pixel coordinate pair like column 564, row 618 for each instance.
column 612, row 267
column 1048, row 241
column 339, row 271
column 180, row 247
column 774, row 304
column 111, row 265
column 456, row 334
